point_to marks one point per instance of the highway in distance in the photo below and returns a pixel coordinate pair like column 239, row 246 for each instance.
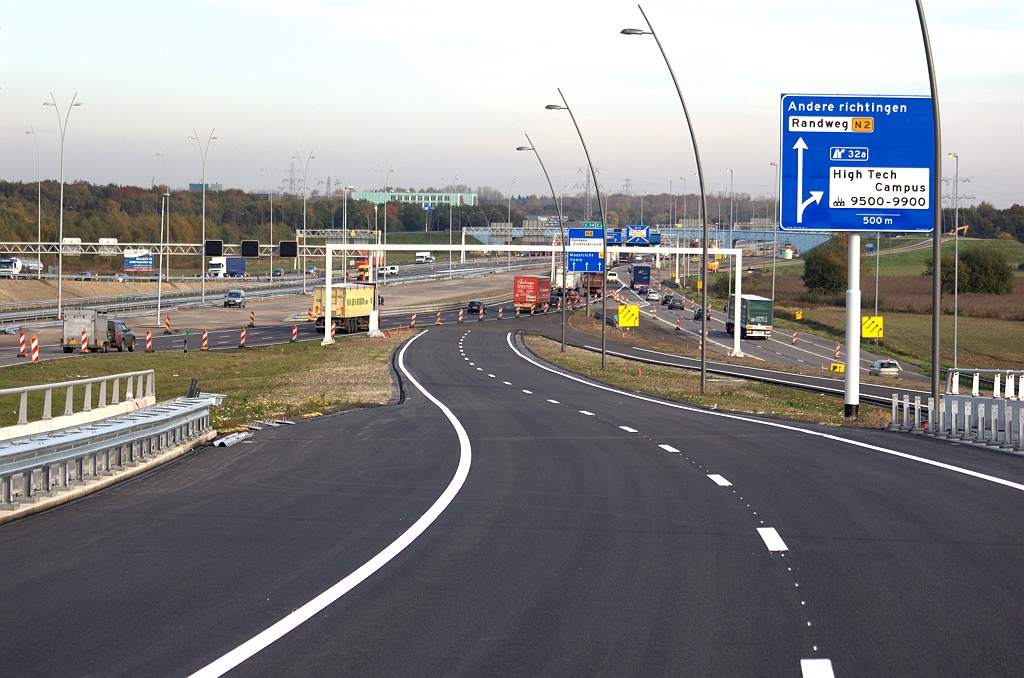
column 506, row 518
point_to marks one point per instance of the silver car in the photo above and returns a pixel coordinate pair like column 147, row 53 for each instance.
column 884, row 368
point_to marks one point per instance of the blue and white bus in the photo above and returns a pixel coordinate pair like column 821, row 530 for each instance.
column 19, row 269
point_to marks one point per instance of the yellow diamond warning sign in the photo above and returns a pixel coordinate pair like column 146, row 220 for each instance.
column 872, row 327
column 629, row 316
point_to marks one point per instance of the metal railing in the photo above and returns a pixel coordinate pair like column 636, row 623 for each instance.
column 955, row 376
column 137, row 384
column 994, row 422
column 85, row 453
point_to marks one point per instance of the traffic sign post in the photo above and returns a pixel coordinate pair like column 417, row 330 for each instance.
column 856, row 164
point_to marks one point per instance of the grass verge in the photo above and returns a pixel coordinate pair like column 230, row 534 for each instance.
column 737, row 395
column 270, row 381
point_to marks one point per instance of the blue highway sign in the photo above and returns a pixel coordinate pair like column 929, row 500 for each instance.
column 856, row 163
column 585, row 249
column 585, row 262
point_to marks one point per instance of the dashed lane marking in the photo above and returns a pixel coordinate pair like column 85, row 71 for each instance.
column 719, row 480
column 816, row 668
column 491, row 376
column 553, row 401
column 589, row 414
column 668, row 448
column 628, row 429
column 507, row 383
column 527, row 392
column 771, row 538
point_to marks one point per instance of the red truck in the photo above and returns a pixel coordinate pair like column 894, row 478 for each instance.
column 531, row 294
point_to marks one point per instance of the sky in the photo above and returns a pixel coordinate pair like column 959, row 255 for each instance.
column 443, row 92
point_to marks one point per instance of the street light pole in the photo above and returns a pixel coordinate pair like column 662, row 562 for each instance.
column 202, row 154
column 39, row 208
column 165, row 199
column 956, row 258
column 167, row 183
column 270, row 194
column 732, row 263
column 703, row 201
column 450, row 208
column 63, row 126
column 344, row 236
column 384, row 184
column 561, row 227
column 604, row 228
column 775, row 228
column 305, row 169
column 509, row 217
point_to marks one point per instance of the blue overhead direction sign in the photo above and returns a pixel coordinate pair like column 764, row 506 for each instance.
column 614, row 237
column 856, row 163
column 585, row 247
column 638, row 235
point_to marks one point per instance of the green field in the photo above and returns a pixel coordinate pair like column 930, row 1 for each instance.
column 912, row 263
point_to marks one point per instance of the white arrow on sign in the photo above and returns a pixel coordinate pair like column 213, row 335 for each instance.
column 802, row 204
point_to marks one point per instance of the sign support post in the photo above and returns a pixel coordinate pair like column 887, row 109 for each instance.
column 851, row 394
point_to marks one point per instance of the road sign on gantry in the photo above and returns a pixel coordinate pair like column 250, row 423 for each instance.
column 585, row 250
column 856, row 163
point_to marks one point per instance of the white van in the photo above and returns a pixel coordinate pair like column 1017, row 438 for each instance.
column 424, row 258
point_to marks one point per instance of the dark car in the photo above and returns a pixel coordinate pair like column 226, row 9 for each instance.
column 120, row 335
column 235, row 298
column 572, row 295
column 86, row 275
column 475, row 308
column 676, row 304
column 667, row 297
column 697, row 313
column 554, row 300
column 277, row 273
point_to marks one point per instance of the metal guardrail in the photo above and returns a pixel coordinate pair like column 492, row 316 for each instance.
column 954, row 377
column 85, row 453
column 135, row 382
column 994, row 422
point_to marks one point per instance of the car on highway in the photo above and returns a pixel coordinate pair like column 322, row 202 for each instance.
column 157, row 276
column 642, row 291
column 86, row 275
column 698, row 315
column 613, row 277
column 667, row 297
column 676, row 304
column 475, row 307
column 572, row 295
column 121, row 336
column 387, row 270
column 120, row 277
column 884, row 368
column 652, row 295
column 234, row 298
column 312, row 271
column 277, row 273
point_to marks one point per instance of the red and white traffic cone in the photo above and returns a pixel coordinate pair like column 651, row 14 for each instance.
column 241, row 339
column 252, row 318
column 700, row 344
column 334, row 329
column 460, row 315
column 35, row 349
column 837, row 351
column 546, row 306
column 21, row 345
column 481, row 314
column 167, row 325
column 149, row 341
column 309, row 313
column 412, row 323
column 517, row 311
column 295, row 334
column 206, row 341
column 677, row 323
column 85, row 341
column 654, row 313
column 794, row 337
column 559, row 307
column 438, row 321
column 499, row 312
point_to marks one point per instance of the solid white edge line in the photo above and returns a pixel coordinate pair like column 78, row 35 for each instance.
column 772, row 539
column 290, row 622
column 719, row 480
column 773, row 424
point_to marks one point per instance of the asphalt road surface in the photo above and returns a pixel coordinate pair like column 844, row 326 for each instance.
column 506, row 519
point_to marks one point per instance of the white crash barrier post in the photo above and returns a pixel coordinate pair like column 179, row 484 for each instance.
column 976, row 385
column 967, row 421
column 995, row 386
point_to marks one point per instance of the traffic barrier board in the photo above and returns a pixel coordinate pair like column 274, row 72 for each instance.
column 837, row 367
column 872, row 327
column 629, row 316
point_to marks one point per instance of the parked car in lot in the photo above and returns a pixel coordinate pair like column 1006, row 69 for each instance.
column 884, row 368
column 121, row 336
column 474, row 307
column 676, row 304
column 235, row 298
column 653, row 295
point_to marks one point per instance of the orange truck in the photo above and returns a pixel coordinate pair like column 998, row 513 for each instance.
column 531, row 294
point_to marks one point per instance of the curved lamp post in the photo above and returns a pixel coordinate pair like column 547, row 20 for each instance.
column 604, row 235
column 305, row 169
column 775, row 229
column 561, row 226
column 703, row 202
column 449, row 187
column 63, row 125
column 270, row 194
column 384, row 177
column 202, row 252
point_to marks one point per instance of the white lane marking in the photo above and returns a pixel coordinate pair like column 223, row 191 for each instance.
column 589, row 414
column 628, row 429
column 668, row 448
column 465, row 358
column 479, row 369
column 527, row 392
column 719, row 480
column 816, row 668
column 491, row 376
column 472, row 363
column 772, row 424
column 553, row 401
column 290, row 622
column 507, row 383
column 772, row 539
